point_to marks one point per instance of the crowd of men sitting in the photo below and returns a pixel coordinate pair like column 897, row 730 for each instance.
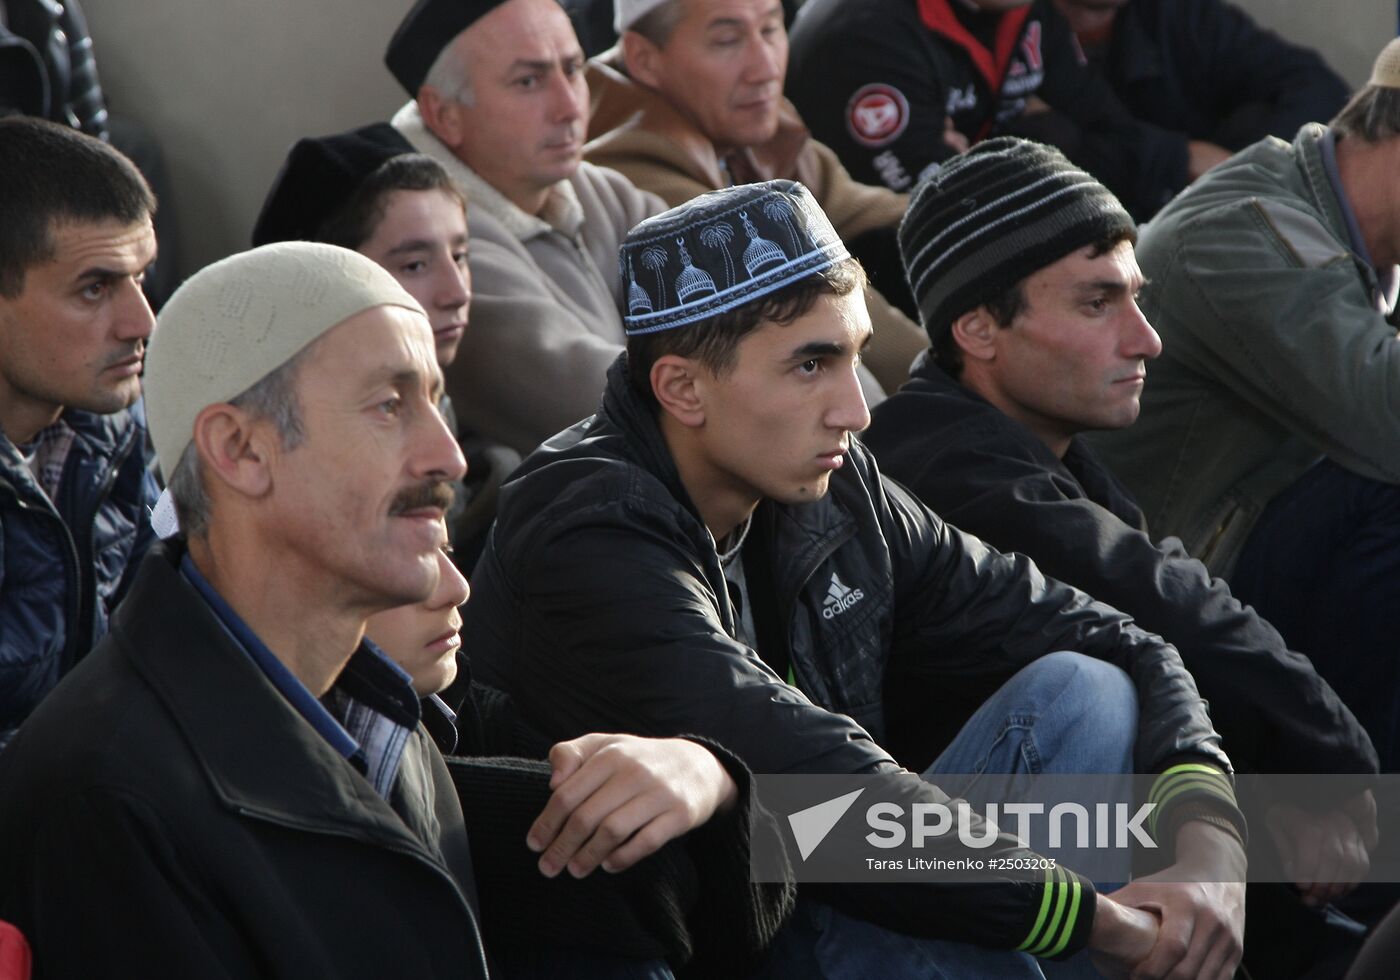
column 762, row 454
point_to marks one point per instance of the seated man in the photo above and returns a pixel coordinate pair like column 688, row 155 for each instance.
column 1035, row 337
column 1203, row 70
column 896, row 87
column 501, row 103
column 692, row 101
column 75, row 241
column 1270, row 436
column 233, row 755
column 716, row 529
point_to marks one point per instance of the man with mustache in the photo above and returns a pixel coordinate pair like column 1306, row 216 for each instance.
column 233, row 761
column 75, row 243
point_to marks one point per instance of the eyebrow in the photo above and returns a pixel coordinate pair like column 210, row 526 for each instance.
column 98, row 273
column 1106, row 286
column 404, row 379
column 825, row 348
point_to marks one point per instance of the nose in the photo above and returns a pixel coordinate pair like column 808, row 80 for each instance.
column 767, row 60
column 570, row 96
column 436, row 454
column 453, row 289
column 1139, row 339
column 452, row 588
column 134, row 319
column 848, row 411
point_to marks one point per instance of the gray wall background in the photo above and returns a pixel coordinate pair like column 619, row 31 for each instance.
column 227, row 87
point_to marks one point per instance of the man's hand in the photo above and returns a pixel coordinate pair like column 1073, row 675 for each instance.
column 1200, row 902
column 1201, row 156
column 618, row 798
column 1120, row 938
column 1328, row 853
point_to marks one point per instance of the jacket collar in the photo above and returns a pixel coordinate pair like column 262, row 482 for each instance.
column 103, row 438
column 1080, row 465
column 260, row 757
column 622, row 106
column 562, row 211
column 1328, row 194
column 802, row 535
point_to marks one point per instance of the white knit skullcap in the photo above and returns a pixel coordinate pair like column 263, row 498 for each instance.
column 628, row 12
column 238, row 320
column 1386, row 73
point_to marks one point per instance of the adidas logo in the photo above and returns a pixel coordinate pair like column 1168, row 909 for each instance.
column 839, row 598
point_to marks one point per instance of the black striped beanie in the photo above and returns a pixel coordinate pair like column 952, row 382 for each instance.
column 993, row 216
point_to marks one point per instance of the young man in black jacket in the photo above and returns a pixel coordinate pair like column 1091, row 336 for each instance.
column 1036, row 337
column 715, row 553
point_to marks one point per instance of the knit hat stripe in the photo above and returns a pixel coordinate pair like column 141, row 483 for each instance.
column 977, row 276
column 1064, row 218
column 998, row 213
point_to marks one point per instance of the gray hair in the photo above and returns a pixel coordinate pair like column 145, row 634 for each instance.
column 1373, row 114
column 449, row 74
column 274, row 397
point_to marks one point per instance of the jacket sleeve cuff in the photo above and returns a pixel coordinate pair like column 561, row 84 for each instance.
column 1187, row 789
column 1061, row 920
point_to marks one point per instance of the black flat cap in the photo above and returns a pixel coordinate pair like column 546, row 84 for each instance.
column 318, row 178
column 429, row 27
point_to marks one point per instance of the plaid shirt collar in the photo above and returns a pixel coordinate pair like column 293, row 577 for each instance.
column 368, row 714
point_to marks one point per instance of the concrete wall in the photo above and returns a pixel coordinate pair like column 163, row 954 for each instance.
column 227, row 87
column 1349, row 33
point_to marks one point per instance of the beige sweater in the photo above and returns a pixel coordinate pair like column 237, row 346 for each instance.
column 544, row 322
column 635, row 131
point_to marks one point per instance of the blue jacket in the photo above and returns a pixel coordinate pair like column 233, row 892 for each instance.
column 65, row 564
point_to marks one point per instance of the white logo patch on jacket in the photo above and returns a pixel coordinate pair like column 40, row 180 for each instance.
column 839, row 598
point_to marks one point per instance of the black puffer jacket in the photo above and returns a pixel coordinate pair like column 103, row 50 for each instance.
column 66, row 563
column 600, row 605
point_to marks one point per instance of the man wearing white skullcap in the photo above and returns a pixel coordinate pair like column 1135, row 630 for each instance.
column 1269, row 437
column 248, row 770
column 233, row 783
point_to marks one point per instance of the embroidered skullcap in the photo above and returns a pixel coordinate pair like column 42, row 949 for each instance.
column 1386, row 72
column 628, row 12
column 992, row 216
column 235, row 322
column 429, row 27
column 318, row 179
column 722, row 250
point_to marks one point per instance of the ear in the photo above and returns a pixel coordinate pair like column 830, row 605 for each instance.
column 643, row 59
column 234, row 450
column 673, row 382
column 442, row 116
column 975, row 333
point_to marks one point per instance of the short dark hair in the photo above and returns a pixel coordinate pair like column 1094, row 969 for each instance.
column 353, row 224
column 51, row 174
column 715, row 342
column 1005, row 307
column 660, row 22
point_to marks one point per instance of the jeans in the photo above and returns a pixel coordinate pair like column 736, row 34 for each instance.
column 1323, row 566
column 1064, row 713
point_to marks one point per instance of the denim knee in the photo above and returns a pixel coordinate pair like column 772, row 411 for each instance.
column 1096, row 692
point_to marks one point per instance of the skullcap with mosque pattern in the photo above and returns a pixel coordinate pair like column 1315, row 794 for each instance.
column 720, row 251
